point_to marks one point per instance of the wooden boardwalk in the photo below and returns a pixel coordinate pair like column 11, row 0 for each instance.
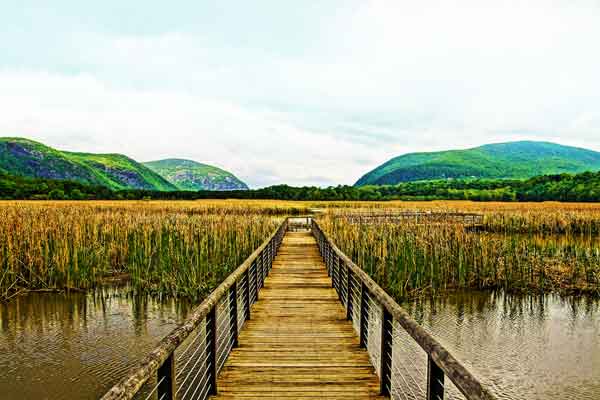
column 298, row 344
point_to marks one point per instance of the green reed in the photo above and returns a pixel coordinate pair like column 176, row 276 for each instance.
column 160, row 250
column 409, row 259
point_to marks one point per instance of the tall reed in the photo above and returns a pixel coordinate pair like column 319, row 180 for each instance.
column 160, row 248
column 409, row 258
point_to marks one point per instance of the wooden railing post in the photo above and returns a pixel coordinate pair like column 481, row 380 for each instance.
column 233, row 314
column 326, row 257
column 364, row 316
column 273, row 253
column 268, row 257
column 394, row 317
column 272, row 256
column 342, row 282
column 435, row 380
column 265, row 265
column 262, row 265
column 161, row 364
column 166, row 377
column 320, row 241
column 329, row 255
column 338, row 277
column 332, row 262
column 349, row 295
column 211, row 338
column 248, row 305
column 336, row 268
column 274, row 248
column 386, row 357
column 256, row 275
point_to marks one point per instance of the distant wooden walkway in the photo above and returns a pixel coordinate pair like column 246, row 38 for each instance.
column 298, row 343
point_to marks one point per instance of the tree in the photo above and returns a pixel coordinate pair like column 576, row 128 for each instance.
column 56, row 194
column 76, row 194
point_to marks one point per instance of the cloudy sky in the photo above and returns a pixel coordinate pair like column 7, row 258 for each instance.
column 299, row 92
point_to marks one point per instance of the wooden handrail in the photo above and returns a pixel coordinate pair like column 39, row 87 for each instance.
column 161, row 360
column 127, row 387
column 451, row 367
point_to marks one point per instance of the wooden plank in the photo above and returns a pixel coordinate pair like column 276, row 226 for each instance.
column 299, row 343
column 129, row 385
column 464, row 381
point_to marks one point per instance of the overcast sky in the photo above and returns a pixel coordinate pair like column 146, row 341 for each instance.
column 299, row 92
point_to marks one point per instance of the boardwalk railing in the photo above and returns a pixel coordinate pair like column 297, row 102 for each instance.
column 185, row 364
column 410, row 363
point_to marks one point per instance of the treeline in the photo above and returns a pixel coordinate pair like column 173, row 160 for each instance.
column 583, row 187
column 18, row 188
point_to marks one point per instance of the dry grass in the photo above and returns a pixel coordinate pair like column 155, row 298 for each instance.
column 520, row 246
column 187, row 247
column 163, row 247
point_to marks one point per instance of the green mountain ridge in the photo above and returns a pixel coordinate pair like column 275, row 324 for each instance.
column 29, row 158
column 192, row 175
column 512, row 160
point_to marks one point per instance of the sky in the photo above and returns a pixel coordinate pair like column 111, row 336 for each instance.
column 298, row 92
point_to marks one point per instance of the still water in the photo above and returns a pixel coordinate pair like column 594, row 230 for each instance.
column 522, row 347
column 76, row 346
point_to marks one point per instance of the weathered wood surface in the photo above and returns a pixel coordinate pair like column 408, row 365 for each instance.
column 450, row 366
column 298, row 344
column 127, row 387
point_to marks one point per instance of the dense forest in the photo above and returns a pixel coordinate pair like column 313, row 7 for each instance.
column 584, row 187
column 513, row 160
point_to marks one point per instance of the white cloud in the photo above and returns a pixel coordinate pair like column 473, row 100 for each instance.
column 82, row 114
column 363, row 83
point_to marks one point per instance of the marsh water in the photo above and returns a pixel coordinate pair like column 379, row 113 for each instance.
column 76, row 346
column 522, row 347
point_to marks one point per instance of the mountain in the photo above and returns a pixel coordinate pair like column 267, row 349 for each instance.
column 191, row 175
column 24, row 157
column 516, row 160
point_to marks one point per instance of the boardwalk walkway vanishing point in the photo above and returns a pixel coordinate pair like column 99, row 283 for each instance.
column 298, row 343
column 297, row 320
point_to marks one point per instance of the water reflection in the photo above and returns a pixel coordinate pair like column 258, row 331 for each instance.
column 57, row 346
column 521, row 346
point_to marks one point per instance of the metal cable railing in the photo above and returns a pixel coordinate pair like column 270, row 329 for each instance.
column 410, row 363
column 185, row 364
